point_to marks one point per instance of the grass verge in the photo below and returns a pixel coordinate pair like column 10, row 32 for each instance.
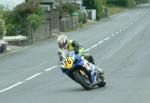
column 114, row 9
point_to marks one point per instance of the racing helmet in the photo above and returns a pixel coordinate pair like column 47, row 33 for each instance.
column 62, row 41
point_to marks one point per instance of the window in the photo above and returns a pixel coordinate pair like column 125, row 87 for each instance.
column 45, row 7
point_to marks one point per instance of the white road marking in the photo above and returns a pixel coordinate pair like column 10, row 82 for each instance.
column 94, row 46
column 87, row 50
column 112, row 35
column 117, row 32
column 33, row 76
column 11, row 87
column 123, row 28
column 50, row 68
column 100, row 42
column 107, row 38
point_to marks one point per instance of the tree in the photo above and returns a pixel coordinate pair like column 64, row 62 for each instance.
column 23, row 14
column 35, row 20
column 142, row 1
column 2, row 22
column 118, row 2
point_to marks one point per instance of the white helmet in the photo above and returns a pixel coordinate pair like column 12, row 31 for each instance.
column 62, row 41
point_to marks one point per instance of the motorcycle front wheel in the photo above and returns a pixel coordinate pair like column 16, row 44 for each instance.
column 82, row 80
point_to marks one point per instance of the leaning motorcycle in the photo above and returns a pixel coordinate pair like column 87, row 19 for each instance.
column 75, row 66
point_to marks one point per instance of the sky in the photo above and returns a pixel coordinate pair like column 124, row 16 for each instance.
column 11, row 3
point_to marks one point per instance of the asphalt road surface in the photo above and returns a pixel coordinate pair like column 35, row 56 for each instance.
column 120, row 45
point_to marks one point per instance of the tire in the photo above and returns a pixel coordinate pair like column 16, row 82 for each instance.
column 82, row 81
column 102, row 83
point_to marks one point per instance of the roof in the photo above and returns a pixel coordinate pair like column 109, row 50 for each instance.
column 44, row 1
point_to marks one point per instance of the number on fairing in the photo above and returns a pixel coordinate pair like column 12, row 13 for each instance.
column 68, row 63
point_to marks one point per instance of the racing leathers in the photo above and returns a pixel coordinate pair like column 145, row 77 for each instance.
column 78, row 49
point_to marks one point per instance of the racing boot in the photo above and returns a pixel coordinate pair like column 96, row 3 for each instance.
column 100, row 74
column 99, row 71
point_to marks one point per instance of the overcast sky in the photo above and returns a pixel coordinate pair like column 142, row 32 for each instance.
column 11, row 3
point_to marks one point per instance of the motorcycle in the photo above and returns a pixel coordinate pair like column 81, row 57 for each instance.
column 74, row 65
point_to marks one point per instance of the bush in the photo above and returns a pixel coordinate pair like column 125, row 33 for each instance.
column 68, row 9
column 17, row 21
column 131, row 3
column 35, row 20
column 10, row 29
column 1, row 28
column 118, row 2
column 13, row 29
column 99, row 9
column 26, row 8
column 82, row 17
column 142, row 1
column 21, row 13
column 2, row 22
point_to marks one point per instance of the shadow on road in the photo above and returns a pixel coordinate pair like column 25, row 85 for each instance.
column 77, row 89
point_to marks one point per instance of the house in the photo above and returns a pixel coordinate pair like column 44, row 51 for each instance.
column 70, row 1
column 51, row 13
column 51, row 4
column 47, row 5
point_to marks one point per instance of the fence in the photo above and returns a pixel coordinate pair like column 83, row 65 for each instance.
column 52, row 25
column 49, row 27
column 53, row 17
column 68, row 23
column 43, row 32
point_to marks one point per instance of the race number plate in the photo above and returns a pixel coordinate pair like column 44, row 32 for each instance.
column 68, row 63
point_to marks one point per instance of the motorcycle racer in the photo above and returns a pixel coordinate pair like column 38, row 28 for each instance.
column 65, row 44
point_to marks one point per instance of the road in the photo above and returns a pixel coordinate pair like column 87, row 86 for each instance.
column 120, row 45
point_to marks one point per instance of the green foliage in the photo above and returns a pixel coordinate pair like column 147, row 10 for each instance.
column 17, row 21
column 72, row 9
column 26, row 8
column 10, row 29
column 10, row 23
column 1, row 28
column 131, row 3
column 13, row 29
column 68, row 9
column 2, row 22
column 99, row 9
column 118, row 2
column 39, row 11
column 127, row 3
column 21, row 12
column 141, row 1
column 2, row 10
column 104, row 2
column 95, row 4
column 82, row 17
column 35, row 20
column 89, row 4
column 114, row 9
